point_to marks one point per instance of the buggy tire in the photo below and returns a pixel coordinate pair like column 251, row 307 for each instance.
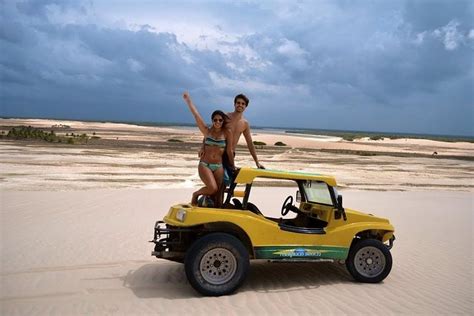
column 216, row 264
column 369, row 261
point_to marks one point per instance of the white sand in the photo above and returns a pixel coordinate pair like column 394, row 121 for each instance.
column 70, row 244
column 86, row 252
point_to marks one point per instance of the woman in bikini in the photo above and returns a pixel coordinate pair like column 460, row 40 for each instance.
column 217, row 140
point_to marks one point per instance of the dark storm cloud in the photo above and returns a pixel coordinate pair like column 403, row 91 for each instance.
column 39, row 8
column 364, row 59
column 88, row 71
column 428, row 15
column 377, row 65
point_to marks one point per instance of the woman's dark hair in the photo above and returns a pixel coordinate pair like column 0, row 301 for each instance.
column 243, row 97
column 222, row 114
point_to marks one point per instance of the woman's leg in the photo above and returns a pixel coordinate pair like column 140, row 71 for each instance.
column 209, row 181
column 219, row 177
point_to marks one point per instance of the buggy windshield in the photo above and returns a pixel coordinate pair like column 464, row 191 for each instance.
column 317, row 192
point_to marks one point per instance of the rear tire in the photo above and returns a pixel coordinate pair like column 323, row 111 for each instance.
column 216, row 264
column 369, row 261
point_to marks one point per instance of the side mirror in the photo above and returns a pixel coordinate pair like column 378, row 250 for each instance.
column 340, row 208
column 339, row 202
column 298, row 196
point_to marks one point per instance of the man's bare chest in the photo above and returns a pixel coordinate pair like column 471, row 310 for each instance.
column 238, row 127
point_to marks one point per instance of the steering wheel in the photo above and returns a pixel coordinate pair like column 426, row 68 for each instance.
column 285, row 208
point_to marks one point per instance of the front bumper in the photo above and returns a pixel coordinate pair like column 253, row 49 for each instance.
column 169, row 241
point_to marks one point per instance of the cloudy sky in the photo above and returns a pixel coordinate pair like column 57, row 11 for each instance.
column 393, row 66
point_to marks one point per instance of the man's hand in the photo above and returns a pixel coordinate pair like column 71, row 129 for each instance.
column 234, row 170
column 260, row 166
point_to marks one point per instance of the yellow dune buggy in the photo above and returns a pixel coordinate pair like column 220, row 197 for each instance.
column 216, row 244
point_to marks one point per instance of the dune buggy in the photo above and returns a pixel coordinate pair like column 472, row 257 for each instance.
column 216, row 244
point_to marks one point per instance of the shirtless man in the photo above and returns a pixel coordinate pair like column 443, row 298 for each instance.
column 239, row 125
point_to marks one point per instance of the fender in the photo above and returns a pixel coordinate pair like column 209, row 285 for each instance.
column 382, row 231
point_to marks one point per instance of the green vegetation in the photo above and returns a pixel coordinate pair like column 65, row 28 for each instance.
column 376, row 137
column 280, row 144
column 259, row 143
column 28, row 132
column 174, row 140
column 60, row 126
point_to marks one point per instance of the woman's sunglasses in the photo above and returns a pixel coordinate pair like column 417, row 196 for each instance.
column 218, row 120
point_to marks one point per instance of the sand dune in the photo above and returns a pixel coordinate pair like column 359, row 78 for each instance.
column 86, row 252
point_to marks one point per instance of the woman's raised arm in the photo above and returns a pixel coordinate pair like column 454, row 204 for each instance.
column 199, row 121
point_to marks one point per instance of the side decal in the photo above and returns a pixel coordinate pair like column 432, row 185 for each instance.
column 302, row 252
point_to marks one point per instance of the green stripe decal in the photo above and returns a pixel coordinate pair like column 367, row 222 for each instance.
column 301, row 252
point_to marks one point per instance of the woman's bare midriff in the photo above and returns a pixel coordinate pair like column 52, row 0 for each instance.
column 212, row 154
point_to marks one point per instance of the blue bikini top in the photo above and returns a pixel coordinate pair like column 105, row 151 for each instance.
column 215, row 142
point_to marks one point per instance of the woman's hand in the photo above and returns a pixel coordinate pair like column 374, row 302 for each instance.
column 186, row 96
column 199, row 121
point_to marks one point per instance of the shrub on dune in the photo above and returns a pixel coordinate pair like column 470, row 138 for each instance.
column 28, row 132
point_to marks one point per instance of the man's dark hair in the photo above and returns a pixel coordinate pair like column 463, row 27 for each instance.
column 243, row 97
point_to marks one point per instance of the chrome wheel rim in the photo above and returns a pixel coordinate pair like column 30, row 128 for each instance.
column 369, row 262
column 218, row 266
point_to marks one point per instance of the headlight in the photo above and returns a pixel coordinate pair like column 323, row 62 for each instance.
column 181, row 215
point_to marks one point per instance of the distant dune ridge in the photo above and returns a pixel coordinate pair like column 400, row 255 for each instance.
column 75, row 220
column 131, row 156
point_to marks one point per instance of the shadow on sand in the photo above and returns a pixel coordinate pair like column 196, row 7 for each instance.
column 168, row 280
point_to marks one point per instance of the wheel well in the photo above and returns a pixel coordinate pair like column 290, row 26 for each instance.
column 231, row 229
column 369, row 234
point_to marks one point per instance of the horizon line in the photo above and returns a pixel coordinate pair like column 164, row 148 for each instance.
column 285, row 128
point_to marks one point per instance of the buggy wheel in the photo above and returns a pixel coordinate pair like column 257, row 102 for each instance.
column 216, row 264
column 369, row 261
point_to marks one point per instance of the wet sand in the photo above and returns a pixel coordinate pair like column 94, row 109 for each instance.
column 130, row 156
